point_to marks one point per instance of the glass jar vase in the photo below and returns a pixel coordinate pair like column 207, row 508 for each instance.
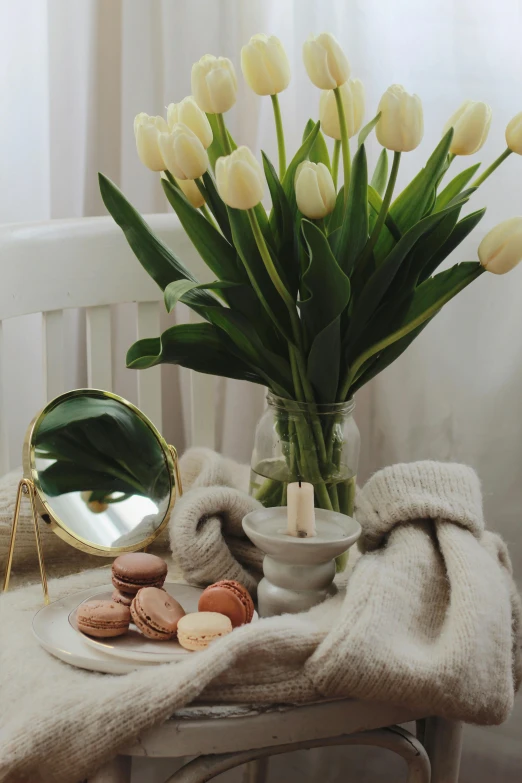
column 298, row 441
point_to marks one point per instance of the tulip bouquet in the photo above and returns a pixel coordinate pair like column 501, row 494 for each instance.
column 315, row 295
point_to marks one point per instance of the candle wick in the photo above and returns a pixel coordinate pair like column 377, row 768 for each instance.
column 299, row 483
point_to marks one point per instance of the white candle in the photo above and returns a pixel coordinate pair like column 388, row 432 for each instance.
column 300, row 509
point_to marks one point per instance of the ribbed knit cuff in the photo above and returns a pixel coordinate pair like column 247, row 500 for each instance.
column 419, row 490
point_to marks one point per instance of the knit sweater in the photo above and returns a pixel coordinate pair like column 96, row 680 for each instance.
column 430, row 620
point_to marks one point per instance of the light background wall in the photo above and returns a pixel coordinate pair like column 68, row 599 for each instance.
column 74, row 74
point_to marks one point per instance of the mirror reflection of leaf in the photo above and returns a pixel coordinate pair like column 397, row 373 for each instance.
column 102, row 447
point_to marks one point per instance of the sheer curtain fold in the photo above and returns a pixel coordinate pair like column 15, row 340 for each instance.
column 73, row 77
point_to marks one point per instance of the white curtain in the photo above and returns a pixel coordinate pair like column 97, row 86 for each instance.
column 74, row 74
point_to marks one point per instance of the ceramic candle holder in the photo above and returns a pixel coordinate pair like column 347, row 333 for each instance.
column 298, row 572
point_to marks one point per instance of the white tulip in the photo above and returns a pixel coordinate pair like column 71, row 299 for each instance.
column 147, row 131
column 401, row 124
column 265, row 65
column 514, row 134
column 239, row 179
column 501, row 249
column 214, row 84
column 192, row 192
column 325, row 62
column 352, row 94
column 188, row 112
column 470, row 125
column 183, row 153
column 314, row 190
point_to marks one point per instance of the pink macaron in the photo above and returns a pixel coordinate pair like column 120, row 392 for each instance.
column 134, row 570
column 156, row 614
column 103, row 619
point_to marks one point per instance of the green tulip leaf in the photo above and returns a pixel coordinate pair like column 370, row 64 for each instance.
column 195, row 346
column 380, row 174
column 216, row 205
column 327, row 285
column 459, row 233
column 376, row 364
column 426, row 302
column 216, row 252
column 354, row 230
column 380, row 281
column 365, row 132
column 154, row 256
column 411, row 205
column 301, row 155
column 323, row 365
column 455, row 187
column 335, row 220
column 179, row 289
column 319, row 151
column 260, row 281
column 375, row 203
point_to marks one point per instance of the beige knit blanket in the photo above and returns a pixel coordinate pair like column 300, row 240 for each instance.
column 430, row 620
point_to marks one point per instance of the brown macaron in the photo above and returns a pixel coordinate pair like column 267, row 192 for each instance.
column 229, row 598
column 103, row 619
column 135, row 570
column 122, row 598
column 156, row 614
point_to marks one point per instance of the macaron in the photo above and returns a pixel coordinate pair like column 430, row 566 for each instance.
column 198, row 629
column 122, row 598
column 156, row 614
column 229, row 598
column 135, row 570
column 103, row 619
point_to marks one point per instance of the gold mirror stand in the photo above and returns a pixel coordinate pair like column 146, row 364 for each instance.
column 26, row 488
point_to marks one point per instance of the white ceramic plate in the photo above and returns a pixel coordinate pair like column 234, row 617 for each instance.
column 55, row 634
column 134, row 646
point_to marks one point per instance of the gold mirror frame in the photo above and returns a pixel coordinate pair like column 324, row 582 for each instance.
column 30, row 487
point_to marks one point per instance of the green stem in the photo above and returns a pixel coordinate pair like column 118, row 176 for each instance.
column 270, row 268
column 223, row 133
column 451, row 158
column 381, row 217
column 345, row 144
column 280, row 136
column 335, row 161
column 496, row 163
column 206, row 211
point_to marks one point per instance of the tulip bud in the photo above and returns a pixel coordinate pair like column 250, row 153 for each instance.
column 239, row 179
column 470, row 126
column 214, row 84
column 401, row 124
column 189, row 113
column 352, row 94
column 147, row 130
column 501, row 249
column 265, row 65
column 192, row 192
column 325, row 62
column 183, row 153
column 514, row 134
column 314, row 190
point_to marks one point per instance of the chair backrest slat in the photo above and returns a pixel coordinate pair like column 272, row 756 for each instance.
column 53, row 353
column 4, row 419
column 99, row 347
column 149, row 381
column 87, row 263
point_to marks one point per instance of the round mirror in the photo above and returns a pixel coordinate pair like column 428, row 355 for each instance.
column 104, row 477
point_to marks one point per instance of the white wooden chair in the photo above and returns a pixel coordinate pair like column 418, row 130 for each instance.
column 49, row 267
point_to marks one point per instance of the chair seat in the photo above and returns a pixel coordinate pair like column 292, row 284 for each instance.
column 225, row 729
